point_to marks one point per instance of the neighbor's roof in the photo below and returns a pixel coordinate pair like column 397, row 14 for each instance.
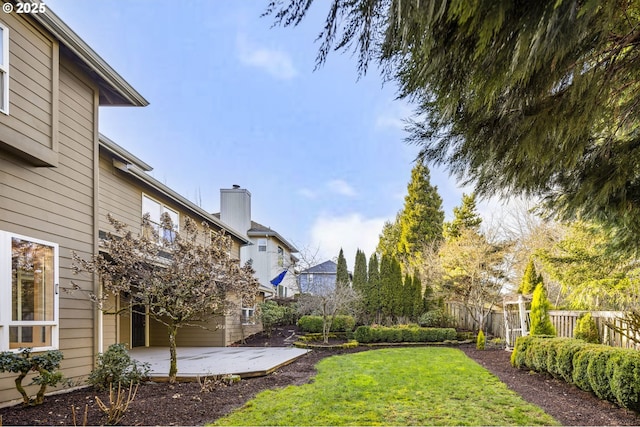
column 327, row 267
column 114, row 90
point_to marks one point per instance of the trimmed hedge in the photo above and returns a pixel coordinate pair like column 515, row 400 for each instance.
column 313, row 324
column 610, row 373
column 382, row 334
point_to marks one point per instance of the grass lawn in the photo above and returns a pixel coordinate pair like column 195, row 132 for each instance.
column 401, row 386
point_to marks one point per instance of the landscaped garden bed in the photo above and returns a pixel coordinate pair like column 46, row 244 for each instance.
column 187, row 404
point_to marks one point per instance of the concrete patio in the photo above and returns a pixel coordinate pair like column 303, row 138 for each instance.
column 196, row 362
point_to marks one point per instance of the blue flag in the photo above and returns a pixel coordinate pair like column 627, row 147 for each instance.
column 276, row 281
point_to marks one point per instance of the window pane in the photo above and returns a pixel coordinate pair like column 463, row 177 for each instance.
column 1, row 46
column 30, row 336
column 32, row 287
column 151, row 207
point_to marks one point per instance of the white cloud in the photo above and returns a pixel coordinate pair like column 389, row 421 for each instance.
column 341, row 187
column 349, row 232
column 275, row 62
column 307, row 193
column 393, row 116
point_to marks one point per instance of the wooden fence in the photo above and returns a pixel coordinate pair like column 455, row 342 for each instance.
column 564, row 322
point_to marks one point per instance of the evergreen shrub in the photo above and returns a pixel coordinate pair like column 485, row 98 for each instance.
column 368, row 334
column 610, row 373
column 313, row 324
column 115, row 366
column 45, row 365
column 436, row 318
column 586, row 329
column 480, row 341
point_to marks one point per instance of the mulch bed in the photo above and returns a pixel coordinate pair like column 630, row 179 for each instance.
column 188, row 404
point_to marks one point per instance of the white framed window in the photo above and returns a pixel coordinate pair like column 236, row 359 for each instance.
column 4, row 69
column 248, row 316
column 29, row 305
column 280, row 257
column 262, row 245
column 155, row 209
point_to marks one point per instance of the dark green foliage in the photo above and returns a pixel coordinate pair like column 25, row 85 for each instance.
column 403, row 333
column 586, row 329
column 540, row 319
column 372, row 296
column 360, row 272
column 480, row 340
column 611, row 373
column 273, row 314
column 436, row 318
column 389, row 237
column 342, row 274
column 314, row 324
column 390, row 287
column 115, row 366
column 536, row 98
column 45, row 364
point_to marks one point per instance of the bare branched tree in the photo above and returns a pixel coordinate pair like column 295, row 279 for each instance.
column 328, row 300
column 180, row 279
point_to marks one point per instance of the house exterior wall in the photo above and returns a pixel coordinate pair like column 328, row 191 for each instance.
column 32, row 125
column 121, row 195
column 267, row 265
column 52, row 121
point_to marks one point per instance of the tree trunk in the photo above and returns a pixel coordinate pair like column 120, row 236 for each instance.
column 173, row 370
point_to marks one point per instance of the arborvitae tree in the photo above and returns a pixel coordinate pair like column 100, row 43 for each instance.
column 372, row 296
column 390, row 237
column 360, row 272
column 390, row 287
column 422, row 216
column 464, row 216
column 540, row 319
column 405, row 306
column 530, row 279
column 342, row 274
column 416, row 298
column 360, row 284
column 519, row 98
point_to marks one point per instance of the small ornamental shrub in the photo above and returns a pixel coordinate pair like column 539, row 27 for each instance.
column 540, row 319
column 586, row 329
column 313, row 324
column 436, row 318
column 46, row 364
column 115, row 366
column 625, row 378
column 397, row 334
column 600, row 371
column 480, row 341
column 565, row 357
column 580, row 364
column 272, row 314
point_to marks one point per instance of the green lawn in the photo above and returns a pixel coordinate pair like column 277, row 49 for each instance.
column 400, row 386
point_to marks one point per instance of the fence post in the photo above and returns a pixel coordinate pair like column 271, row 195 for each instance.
column 523, row 320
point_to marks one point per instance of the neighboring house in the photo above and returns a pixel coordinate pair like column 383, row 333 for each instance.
column 51, row 87
column 321, row 276
column 270, row 253
column 127, row 192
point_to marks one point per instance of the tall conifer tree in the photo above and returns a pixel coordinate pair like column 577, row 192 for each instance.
column 342, row 274
column 464, row 216
column 422, row 216
column 372, row 297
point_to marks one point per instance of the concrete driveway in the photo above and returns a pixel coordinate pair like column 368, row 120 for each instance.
column 204, row 361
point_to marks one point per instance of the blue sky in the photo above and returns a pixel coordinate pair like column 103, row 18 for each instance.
column 235, row 101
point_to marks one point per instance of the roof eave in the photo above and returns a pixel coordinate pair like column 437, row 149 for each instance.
column 122, row 92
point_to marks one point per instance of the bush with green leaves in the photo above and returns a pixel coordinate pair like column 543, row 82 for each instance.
column 480, row 340
column 586, row 329
column 273, row 314
column 403, row 333
column 610, row 373
column 436, row 318
column 314, row 324
column 540, row 319
column 115, row 366
column 46, row 364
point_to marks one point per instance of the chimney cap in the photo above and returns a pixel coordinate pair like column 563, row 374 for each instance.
column 235, row 186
